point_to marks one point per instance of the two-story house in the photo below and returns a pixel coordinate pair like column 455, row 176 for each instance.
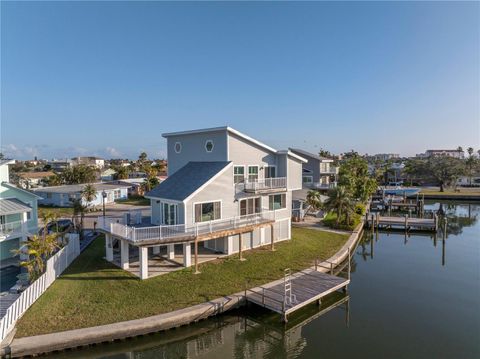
column 18, row 214
column 224, row 189
column 319, row 172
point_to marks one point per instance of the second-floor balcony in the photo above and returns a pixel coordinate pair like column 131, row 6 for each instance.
column 11, row 228
column 264, row 185
column 322, row 186
column 144, row 234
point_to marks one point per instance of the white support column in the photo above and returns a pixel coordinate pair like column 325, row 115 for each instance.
column 229, row 245
column 187, row 254
column 289, row 228
column 108, row 248
column 262, row 236
column 143, row 251
column 171, row 251
column 156, row 250
column 124, row 254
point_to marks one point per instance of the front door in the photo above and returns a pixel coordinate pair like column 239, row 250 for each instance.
column 169, row 214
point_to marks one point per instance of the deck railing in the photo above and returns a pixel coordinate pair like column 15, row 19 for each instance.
column 266, row 184
column 12, row 227
column 318, row 185
column 138, row 234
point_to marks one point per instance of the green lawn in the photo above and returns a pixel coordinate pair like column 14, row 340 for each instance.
column 135, row 201
column 94, row 292
column 60, row 211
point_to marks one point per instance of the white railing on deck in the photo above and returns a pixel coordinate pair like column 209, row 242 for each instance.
column 54, row 267
column 266, row 183
column 319, row 185
column 138, row 234
column 12, row 227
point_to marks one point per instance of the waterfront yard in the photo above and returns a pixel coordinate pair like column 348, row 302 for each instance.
column 466, row 192
column 94, row 292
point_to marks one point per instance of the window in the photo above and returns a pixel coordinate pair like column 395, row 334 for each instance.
column 276, row 201
column 169, row 214
column 209, row 146
column 250, row 206
column 270, row 172
column 238, row 174
column 307, row 179
column 117, row 193
column 252, row 173
column 49, row 195
column 208, row 211
column 29, row 216
column 178, row 147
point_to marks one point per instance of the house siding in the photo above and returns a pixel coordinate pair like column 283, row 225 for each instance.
column 193, row 149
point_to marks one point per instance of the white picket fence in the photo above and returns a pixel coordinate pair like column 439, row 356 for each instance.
column 55, row 266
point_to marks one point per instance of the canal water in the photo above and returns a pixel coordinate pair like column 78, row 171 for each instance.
column 413, row 296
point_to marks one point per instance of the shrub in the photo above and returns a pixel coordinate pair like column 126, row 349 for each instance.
column 360, row 209
column 331, row 219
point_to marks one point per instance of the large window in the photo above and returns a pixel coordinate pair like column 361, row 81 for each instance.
column 169, row 213
column 238, row 174
column 270, row 172
column 277, row 201
column 250, row 206
column 207, row 211
column 252, row 173
column 307, row 179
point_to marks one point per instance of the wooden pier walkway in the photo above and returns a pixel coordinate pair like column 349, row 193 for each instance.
column 405, row 223
column 296, row 291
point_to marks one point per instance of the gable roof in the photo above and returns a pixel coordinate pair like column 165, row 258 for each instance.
column 311, row 155
column 76, row 188
column 223, row 128
column 187, row 180
column 12, row 206
column 15, row 188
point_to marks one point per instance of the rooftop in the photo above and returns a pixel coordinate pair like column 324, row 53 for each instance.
column 187, row 180
column 40, row 174
column 12, row 206
column 309, row 154
column 74, row 188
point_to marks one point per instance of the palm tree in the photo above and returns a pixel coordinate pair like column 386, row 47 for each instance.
column 89, row 193
column 78, row 209
column 314, row 199
column 471, row 161
column 339, row 201
column 38, row 249
column 122, row 172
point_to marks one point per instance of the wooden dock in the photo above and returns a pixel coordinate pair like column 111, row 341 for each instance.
column 296, row 291
column 405, row 223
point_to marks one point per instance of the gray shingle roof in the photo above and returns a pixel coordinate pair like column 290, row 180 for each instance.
column 309, row 154
column 13, row 205
column 186, row 180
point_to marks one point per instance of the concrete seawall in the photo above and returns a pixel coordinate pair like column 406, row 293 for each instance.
column 106, row 333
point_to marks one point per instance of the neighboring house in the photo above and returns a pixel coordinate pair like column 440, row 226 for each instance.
column 467, row 181
column 319, row 172
column 439, row 153
column 29, row 180
column 89, row 161
column 62, row 196
column 108, row 175
column 59, row 165
column 134, row 185
column 18, row 214
column 224, row 188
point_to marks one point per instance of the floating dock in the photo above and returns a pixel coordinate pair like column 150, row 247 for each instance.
column 296, row 291
column 403, row 223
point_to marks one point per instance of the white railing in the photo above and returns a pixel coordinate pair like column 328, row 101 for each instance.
column 318, row 185
column 55, row 266
column 266, row 184
column 12, row 227
column 168, row 232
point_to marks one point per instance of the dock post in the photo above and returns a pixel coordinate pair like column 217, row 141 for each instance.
column 196, row 255
column 331, row 268
column 372, row 224
column 406, row 223
column 349, row 259
column 316, row 264
column 272, row 238
column 435, row 221
column 378, row 220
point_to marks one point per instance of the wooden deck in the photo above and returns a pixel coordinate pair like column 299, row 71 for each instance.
column 406, row 223
column 307, row 287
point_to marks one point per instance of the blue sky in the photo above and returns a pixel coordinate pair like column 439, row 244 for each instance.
column 107, row 78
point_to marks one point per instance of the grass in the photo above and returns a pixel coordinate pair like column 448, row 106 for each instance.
column 94, row 292
column 331, row 219
column 135, row 201
column 461, row 191
column 59, row 211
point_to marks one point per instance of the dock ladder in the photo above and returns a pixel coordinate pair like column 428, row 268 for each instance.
column 289, row 298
